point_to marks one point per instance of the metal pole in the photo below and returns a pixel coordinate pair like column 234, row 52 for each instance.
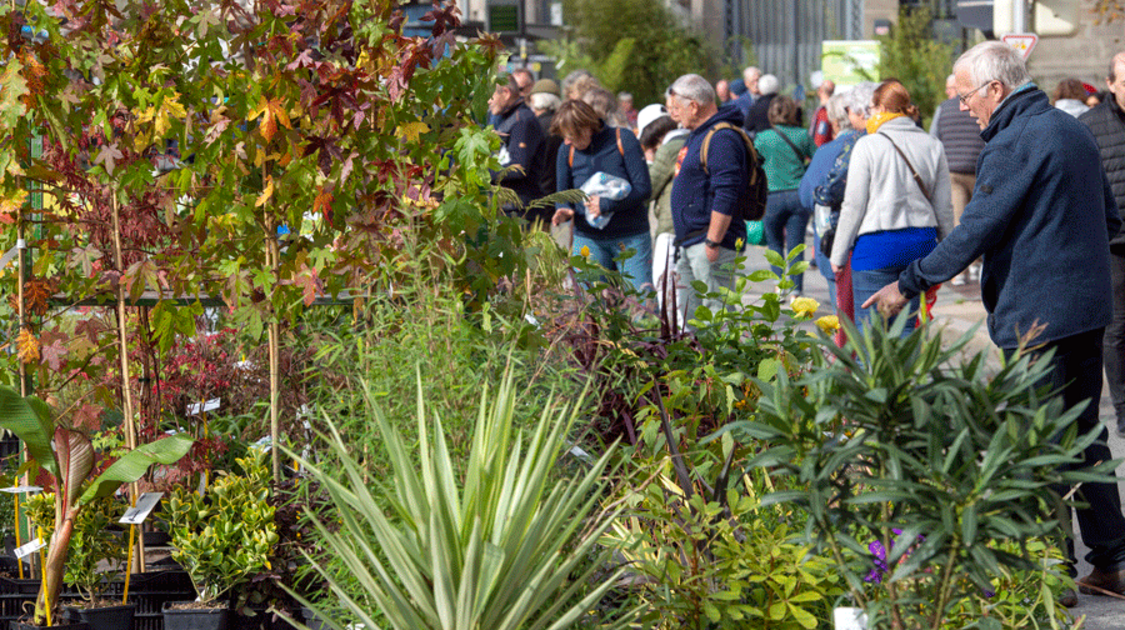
column 1019, row 16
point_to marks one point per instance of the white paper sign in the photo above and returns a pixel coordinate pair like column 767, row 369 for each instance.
column 22, row 490
column 849, row 618
column 194, row 409
column 29, row 548
column 145, row 503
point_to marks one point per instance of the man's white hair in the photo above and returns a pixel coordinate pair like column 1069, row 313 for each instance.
column 694, row 88
column 750, row 71
column 993, row 61
column 768, row 84
column 859, row 98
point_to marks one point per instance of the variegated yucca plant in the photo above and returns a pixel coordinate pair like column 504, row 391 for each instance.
column 511, row 545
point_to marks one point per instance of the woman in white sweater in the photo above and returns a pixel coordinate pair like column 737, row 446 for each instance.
column 897, row 201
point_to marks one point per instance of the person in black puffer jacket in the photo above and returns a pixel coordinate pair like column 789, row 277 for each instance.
column 1107, row 122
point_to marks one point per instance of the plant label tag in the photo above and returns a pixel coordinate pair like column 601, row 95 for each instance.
column 145, row 503
column 30, row 548
column 849, row 618
column 21, row 489
column 194, row 409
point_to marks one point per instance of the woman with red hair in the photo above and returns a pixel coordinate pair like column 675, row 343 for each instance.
column 897, row 202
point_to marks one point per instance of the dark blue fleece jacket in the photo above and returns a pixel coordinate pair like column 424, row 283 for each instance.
column 630, row 215
column 695, row 194
column 1041, row 215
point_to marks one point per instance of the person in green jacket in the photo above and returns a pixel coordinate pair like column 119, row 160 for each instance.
column 661, row 138
column 786, row 149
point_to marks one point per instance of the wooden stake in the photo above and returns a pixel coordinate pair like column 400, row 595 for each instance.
column 136, row 562
column 273, row 259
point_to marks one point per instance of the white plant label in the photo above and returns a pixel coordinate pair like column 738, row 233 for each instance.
column 194, row 409
column 145, row 503
column 30, row 548
column 22, row 490
column 849, row 618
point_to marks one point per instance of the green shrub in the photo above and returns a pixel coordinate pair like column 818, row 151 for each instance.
column 890, row 442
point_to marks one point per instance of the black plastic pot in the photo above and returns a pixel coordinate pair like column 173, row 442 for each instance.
column 109, row 618
column 313, row 620
column 20, row 625
column 198, row 618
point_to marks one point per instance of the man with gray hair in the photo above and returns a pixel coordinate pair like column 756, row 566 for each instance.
column 750, row 77
column 1041, row 214
column 705, row 207
column 758, row 118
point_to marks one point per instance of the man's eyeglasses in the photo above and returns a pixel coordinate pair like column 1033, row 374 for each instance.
column 964, row 98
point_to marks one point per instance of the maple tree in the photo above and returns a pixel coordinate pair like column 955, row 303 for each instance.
column 267, row 156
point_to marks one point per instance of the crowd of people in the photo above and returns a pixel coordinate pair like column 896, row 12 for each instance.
column 1009, row 187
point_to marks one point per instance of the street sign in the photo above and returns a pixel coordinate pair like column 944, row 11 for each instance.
column 1023, row 42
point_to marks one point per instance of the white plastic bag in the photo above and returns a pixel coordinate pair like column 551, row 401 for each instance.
column 605, row 186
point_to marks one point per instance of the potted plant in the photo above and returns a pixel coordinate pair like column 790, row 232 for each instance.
column 67, row 455
column 222, row 538
column 97, row 556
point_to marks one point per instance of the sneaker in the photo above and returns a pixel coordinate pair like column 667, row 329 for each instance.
column 1120, row 428
column 1067, row 598
column 958, row 280
column 1103, row 583
column 974, row 272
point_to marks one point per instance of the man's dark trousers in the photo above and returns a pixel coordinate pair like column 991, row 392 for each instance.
column 1077, row 372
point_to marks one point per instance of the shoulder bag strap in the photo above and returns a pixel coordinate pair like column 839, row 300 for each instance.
column 620, row 149
column 801, row 157
column 917, row 177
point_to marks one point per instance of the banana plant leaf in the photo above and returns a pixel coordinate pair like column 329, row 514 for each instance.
column 30, row 420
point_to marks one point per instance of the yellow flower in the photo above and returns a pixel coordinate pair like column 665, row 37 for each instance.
column 829, row 324
column 805, row 307
column 585, row 251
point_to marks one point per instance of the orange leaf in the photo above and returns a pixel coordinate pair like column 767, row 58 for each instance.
column 323, row 204
column 269, row 126
column 27, row 346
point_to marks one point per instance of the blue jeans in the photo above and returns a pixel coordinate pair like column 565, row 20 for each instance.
column 785, row 223
column 866, row 283
column 637, row 269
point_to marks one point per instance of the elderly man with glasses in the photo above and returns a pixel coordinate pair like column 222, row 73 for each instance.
column 705, row 210
column 1041, row 215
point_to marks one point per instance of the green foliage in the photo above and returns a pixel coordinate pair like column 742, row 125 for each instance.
column 664, row 49
column 68, row 456
column 226, row 536
column 497, row 548
column 912, row 55
column 96, row 553
column 891, row 443
column 700, row 563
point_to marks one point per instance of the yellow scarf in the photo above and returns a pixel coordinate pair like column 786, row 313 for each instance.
column 877, row 120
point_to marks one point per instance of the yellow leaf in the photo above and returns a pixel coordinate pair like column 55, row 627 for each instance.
column 9, row 205
column 145, row 116
column 269, row 127
column 411, row 131
column 266, row 194
column 28, row 346
column 263, row 106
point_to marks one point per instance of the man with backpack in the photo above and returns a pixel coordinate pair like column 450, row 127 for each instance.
column 715, row 190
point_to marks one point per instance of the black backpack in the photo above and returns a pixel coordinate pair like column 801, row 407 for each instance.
column 752, row 198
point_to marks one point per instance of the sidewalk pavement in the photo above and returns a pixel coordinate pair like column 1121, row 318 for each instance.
column 959, row 310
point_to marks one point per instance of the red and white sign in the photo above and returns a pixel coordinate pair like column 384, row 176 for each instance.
column 1023, row 42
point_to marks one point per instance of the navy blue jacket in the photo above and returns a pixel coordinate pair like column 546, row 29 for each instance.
column 525, row 142
column 695, row 195
column 630, row 215
column 1041, row 215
